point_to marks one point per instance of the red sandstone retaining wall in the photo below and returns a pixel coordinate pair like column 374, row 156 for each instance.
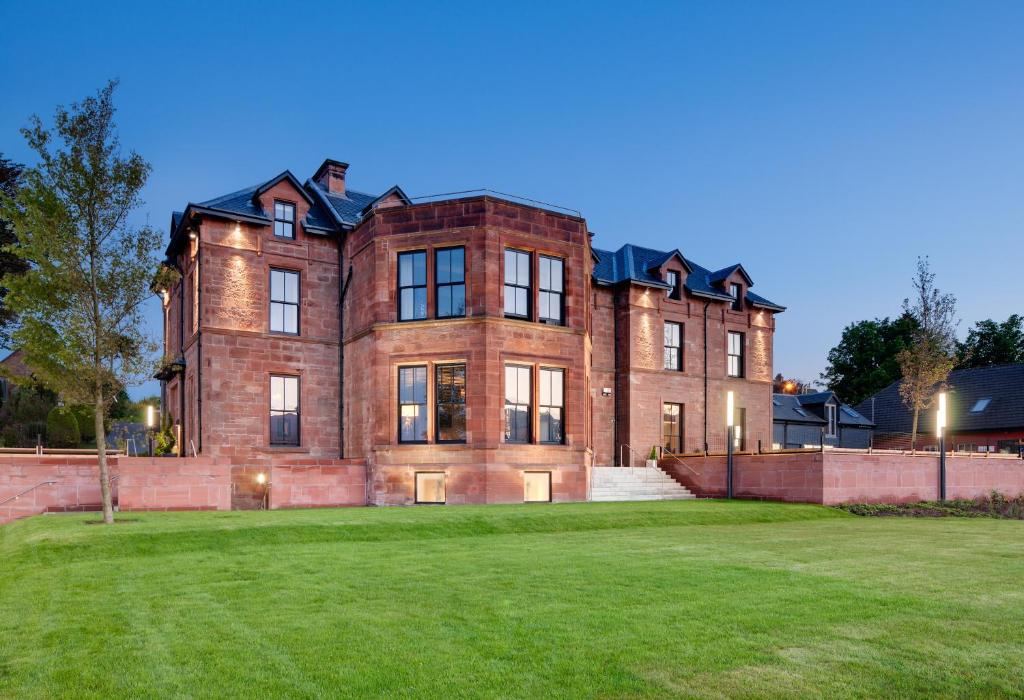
column 833, row 477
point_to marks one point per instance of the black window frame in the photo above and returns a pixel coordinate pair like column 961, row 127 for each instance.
column 413, row 286
column 831, row 420
column 282, row 220
column 740, row 357
column 678, row 364
column 550, row 291
column 541, row 438
column 516, row 286
column 284, row 410
column 416, row 487
column 297, row 303
column 736, row 292
column 681, row 432
column 739, row 429
column 438, row 403
column 676, row 291
column 536, row 473
column 528, row 404
column 424, row 404
column 448, row 286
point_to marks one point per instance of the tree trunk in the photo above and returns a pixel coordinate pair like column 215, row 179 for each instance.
column 913, row 429
column 101, row 454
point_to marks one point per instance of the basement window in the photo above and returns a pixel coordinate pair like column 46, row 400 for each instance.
column 981, row 404
column 537, row 487
column 430, row 487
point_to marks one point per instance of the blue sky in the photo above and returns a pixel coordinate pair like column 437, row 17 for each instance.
column 823, row 145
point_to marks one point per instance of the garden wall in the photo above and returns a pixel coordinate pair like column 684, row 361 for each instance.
column 840, row 476
column 195, row 483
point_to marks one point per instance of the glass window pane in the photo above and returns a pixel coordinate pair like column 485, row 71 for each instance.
column 276, row 317
column 277, row 392
column 556, row 275
column 419, row 268
column 523, row 377
column 404, row 269
column 291, row 319
column 545, row 273
column 276, row 284
column 510, row 267
column 291, row 287
column 521, row 302
column 523, row 269
column 458, row 265
column 511, row 385
column 443, row 270
column 459, row 300
column 444, row 301
column 420, row 302
column 557, row 388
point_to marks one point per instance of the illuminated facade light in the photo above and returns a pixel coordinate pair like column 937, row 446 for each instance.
column 940, row 415
column 730, row 419
column 151, row 416
column 261, row 478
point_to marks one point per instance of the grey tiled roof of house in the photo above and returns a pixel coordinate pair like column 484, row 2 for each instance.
column 813, row 406
column 347, row 208
column 1002, row 385
column 634, row 263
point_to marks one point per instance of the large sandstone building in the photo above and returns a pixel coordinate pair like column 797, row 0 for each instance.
column 473, row 349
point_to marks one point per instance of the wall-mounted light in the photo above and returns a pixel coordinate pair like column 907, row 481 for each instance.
column 261, row 478
column 192, row 235
column 606, row 392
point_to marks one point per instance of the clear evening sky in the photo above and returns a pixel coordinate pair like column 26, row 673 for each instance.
column 823, row 145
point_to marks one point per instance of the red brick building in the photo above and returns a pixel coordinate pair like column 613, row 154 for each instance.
column 466, row 350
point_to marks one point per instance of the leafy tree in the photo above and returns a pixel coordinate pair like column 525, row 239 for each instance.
column 62, row 428
column 10, row 264
column 782, row 385
column 865, row 360
column 79, row 302
column 925, row 365
column 122, row 408
column 991, row 343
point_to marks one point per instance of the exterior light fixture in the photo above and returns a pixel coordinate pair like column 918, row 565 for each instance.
column 606, row 391
column 261, row 478
column 940, row 415
column 940, row 433
column 192, row 235
column 150, row 416
column 730, row 410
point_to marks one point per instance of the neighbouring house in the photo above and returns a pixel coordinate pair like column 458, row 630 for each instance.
column 985, row 407
column 813, row 420
column 11, row 366
column 468, row 349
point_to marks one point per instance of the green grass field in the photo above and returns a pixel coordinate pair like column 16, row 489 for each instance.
column 681, row 599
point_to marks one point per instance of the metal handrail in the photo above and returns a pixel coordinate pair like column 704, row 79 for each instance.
column 16, row 496
column 662, row 452
column 631, row 453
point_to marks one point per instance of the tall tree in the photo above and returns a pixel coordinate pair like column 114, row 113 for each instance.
column 925, row 365
column 79, row 302
column 10, row 264
column 991, row 343
column 865, row 360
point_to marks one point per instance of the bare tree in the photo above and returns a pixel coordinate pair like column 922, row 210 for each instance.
column 925, row 365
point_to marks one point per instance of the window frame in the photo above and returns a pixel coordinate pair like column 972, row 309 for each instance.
column 740, row 357
column 413, row 286
column 271, row 410
column 736, row 292
column 560, row 321
column 416, row 487
column 526, row 491
column 425, row 404
column 529, row 283
column 675, row 293
column 291, row 222
column 831, row 420
column 437, row 402
column 439, row 285
column 739, row 428
column 528, row 404
column 678, row 348
column 560, row 371
column 297, row 304
column 681, row 434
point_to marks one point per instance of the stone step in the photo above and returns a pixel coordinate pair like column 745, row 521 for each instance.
column 635, row 484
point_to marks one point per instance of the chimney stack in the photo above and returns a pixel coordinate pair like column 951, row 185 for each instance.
column 331, row 176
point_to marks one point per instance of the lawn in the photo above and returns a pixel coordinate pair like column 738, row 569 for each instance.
column 683, row 599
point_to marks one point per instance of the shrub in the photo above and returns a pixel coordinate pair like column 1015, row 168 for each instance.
column 62, row 428
column 164, row 443
column 86, row 417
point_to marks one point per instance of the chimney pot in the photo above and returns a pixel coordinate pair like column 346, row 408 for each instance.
column 331, row 176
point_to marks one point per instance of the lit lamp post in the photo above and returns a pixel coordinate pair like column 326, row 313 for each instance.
column 940, row 432
column 730, row 425
column 261, row 479
column 151, row 425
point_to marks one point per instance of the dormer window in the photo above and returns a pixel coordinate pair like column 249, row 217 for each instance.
column 736, row 292
column 830, row 412
column 284, row 220
column 672, row 278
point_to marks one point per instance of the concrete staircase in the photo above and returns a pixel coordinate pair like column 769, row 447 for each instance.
column 635, row 484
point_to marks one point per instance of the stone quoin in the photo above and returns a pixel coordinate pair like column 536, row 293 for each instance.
column 472, row 349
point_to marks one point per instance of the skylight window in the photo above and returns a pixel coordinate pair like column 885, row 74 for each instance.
column 850, row 412
column 776, row 402
column 801, row 411
column 981, row 404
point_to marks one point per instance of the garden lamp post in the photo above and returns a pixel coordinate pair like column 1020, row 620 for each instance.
column 940, row 433
column 730, row 429
column 151, row 425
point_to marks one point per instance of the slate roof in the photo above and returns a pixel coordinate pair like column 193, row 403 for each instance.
column 1003, row 384
column 634, row 263
column 814, row 406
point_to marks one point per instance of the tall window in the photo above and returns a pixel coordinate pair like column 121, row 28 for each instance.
column 412, row 404
column 284, row 301
column 738, row 430
column 284, row 410
column 735, row 354
column 284, row 220
column 551, row 404
column 552, row 294
column 736, row 292
column 517, row 283
column 830, row 412
column 672, row 278
column 673, row 346
column 450, row 281
column 412, row 286
column 517, row 403
column 672, row 427
column 451, row 403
